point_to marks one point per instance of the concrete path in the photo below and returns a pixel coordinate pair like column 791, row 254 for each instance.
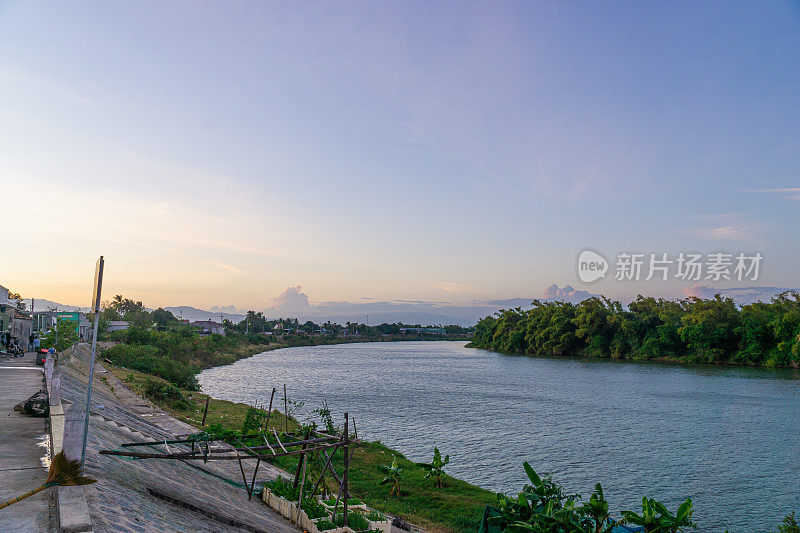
column 20, row 449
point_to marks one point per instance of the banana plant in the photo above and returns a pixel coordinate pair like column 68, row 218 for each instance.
column 595, row 512
column 393, row 475
column 434, row 468
column 656, row 518
column 540, row 507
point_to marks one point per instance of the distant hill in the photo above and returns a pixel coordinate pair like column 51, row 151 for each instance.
column 193, row 314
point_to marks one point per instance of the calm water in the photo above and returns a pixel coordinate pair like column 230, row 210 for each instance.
column 728, row 438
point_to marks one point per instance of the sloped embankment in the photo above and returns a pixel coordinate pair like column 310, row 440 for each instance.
column 153, row 494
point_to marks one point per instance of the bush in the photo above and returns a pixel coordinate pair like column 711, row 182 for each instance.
column 325, row 525
column 284, row 489
column 313, row 509
column 354, row 521
column 165, row 392
column 147, row 359
column 789, row 525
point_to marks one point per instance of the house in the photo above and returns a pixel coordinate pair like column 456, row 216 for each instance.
column 209, row 327
column 118, row 325
column 45, row 320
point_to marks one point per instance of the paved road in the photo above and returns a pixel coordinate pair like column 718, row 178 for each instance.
column 20, row 451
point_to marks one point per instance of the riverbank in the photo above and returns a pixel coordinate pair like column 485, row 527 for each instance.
column 579, row 419
column 178, row 355
column 456, row 507
column 150, row 495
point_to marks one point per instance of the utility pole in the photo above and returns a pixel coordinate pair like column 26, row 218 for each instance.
column 98, row 288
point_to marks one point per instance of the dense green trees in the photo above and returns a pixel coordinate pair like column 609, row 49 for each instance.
column 692, row 330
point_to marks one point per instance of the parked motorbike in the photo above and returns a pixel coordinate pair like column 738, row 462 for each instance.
column 15, row 349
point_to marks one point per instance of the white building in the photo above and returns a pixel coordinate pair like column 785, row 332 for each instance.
column 209, row 327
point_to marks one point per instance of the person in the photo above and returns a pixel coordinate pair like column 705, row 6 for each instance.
column 36, row 342
column 30, row 341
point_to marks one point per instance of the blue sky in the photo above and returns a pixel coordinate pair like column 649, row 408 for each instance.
column 218, row 153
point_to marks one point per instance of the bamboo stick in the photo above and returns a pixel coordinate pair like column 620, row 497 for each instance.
column 211, row 456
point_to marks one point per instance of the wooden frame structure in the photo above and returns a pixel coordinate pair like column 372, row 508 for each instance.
column 211, row 448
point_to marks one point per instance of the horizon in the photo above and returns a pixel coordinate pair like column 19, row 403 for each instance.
column 412, row 152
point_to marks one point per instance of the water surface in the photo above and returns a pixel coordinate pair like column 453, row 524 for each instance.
column 729, row 438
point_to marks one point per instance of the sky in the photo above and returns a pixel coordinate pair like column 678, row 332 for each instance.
column 444, row 152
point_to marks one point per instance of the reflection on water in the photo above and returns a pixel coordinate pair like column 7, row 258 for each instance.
column 728, row 438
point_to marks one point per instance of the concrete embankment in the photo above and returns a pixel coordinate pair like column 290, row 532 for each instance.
column 152, row 494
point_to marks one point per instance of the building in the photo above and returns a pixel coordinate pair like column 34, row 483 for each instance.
column 209, row 327
column 45, row 320
column 118, row 325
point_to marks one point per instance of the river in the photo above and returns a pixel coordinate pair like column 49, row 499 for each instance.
column 729, row 438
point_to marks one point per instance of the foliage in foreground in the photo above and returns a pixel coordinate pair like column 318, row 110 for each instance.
column 543, row 507
column 435, row 467
column 394, row 474
column 692, row 330
column 789, row 524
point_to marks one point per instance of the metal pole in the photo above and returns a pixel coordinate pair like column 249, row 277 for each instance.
column 98, row 281
column 345, row 479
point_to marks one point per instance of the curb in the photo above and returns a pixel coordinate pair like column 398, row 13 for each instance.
column 72, row 511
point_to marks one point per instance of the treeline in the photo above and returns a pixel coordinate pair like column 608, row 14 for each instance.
column 690, row 330
column 158, row 343
column 256, row 322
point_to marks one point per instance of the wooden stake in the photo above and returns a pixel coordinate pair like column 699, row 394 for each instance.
column 300, row 465
column 300, row 501
column 285, row 411
column 269, row 413
column 205, row 411
column 322, row 475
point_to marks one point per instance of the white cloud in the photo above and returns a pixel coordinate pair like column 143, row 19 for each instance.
column 792, row 193
column 291, row 300
column 741, row 295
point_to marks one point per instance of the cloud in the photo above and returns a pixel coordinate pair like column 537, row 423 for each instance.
column 567, row 293
column 450, row 286
column 230, row 309
column 740, row 295
column 699, row 291
column 727, row 233
column 793, row 193
column 229, row 268
column 727, row 227
column 291, row 300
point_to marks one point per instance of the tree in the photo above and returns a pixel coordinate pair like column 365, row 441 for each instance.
column 123, row 306
column 163, row 318
column 64, row 335
column 140, row 319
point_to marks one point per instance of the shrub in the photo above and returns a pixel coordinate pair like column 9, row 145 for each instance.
column 313, row 509
column 354, row 520
column 147, row 358
column 325, row 525
column 283, row 488
column 789, row 525
column 165, row 392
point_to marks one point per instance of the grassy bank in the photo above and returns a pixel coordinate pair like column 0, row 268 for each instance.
column 179, row 354
column 457, row 507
